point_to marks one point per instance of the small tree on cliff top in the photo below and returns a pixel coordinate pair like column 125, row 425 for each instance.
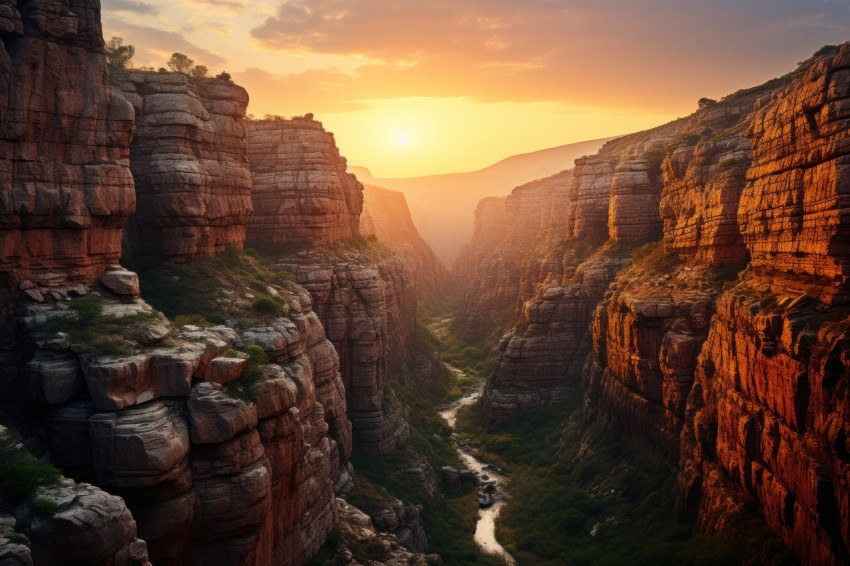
column 118, row 55
column 180, row 63
column 199, row 71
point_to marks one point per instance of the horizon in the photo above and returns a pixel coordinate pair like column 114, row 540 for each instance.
column 434, row 89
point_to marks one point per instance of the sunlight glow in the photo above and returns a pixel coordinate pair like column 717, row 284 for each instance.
column 402, row 140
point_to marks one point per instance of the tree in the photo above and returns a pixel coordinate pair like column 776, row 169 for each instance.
column 180, row 63
column 199, row 71
column 118, row 55
column 705, row 102
column 224, row 75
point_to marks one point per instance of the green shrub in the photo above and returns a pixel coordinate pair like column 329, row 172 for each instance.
column 231, row 353
column 258, row 355
column 686, row 138
column 727, row 164
column 88, row 308
column 18, row 480
column 251, row 252
column 268, row 305
column 46, row 507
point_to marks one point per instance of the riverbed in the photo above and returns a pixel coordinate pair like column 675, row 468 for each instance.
column 485, row 529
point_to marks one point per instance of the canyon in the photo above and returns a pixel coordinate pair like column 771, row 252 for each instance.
column 211, row 337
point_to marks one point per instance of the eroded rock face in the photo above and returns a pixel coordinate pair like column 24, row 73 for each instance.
column 767, row 413
column 210, row 476
column 65, row 184
column 189, row 161
column 302, row 191
column 385, row 214
column 367, row 304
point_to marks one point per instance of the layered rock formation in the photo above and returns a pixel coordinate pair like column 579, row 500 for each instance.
column 768, row 411
column 211, row 476
column 367, row 303
column 385, row 214
column 64, row 174
column 189, row 162
column 302, row 192
column 365, row 295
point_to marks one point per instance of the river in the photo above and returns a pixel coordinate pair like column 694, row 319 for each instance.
column 485, row 529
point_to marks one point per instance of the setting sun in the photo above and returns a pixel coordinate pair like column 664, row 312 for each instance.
column 402, row 140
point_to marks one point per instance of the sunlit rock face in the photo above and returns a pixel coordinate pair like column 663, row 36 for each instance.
column 386, row 215
column 64, row 170
column 189, row 162
column 488, row 231
column 302, row 191
column 768, row 412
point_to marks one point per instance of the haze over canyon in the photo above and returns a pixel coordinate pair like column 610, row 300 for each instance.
column 222, row 343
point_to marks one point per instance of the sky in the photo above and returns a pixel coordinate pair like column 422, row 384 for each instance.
column 414, row 87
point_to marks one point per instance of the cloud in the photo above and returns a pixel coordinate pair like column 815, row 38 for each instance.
column 130, row 6
column 231, row 6
column 154, row 46
column 645, row 54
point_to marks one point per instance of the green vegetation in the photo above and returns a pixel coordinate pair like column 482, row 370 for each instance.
column 245, row 388
column 759, row 89
column 652, row 257
column 231, row 353
column 705, row 102
column 727, row 164
column 200, row 291
column 46, row 507
column 20, row 473
column 578, row 498
column 101, row 334
column 118, row 55
column 269, row 304
column 450, row 522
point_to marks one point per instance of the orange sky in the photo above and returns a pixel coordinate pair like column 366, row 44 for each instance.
column 412, row 87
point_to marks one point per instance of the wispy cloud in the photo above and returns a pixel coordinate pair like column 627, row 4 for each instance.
column 130, row 6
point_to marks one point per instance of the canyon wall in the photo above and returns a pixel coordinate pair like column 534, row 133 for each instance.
column 386, row 215
column 721, row 347
column 189, row 163
column 364, row 293
column 302, row 192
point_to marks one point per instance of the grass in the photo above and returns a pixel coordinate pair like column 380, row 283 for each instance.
column 567, row 481
column 652, row 257
column 727, row 164
column 245, row 388
column 197, row 291
column 20, row 473
column 99, row 333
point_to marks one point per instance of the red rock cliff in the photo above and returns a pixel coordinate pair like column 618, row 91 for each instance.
column 64, row 170
column 189, row 161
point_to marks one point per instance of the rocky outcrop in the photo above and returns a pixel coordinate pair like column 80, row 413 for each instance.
column 189, row 162
column 385, row 214
column 211, row 475
column 367, row 302
column 64, row 174
column 488, row 231
column 302, row 192
column 767, row 415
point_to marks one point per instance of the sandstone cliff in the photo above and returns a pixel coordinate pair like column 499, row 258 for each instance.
column 365, row 295
column 385, row 214
column 302, row 192
column 189, row 163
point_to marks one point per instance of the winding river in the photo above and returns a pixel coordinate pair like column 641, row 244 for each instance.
column 485, row 529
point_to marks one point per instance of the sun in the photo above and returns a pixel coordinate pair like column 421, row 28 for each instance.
column 402, row 140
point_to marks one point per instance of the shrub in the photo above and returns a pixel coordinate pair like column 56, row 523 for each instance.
column 224, row 75
column 258, row 355
column 686, row 138
column 88, row 308
column 191, row 319
column 268, row 305
column 251, row 252
column 727, row 164
column 199, row 71
column 230, row 353
column 705, row 102
column 46, row 507
column 18, row 480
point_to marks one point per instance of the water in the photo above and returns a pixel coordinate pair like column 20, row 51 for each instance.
column 485, row 529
